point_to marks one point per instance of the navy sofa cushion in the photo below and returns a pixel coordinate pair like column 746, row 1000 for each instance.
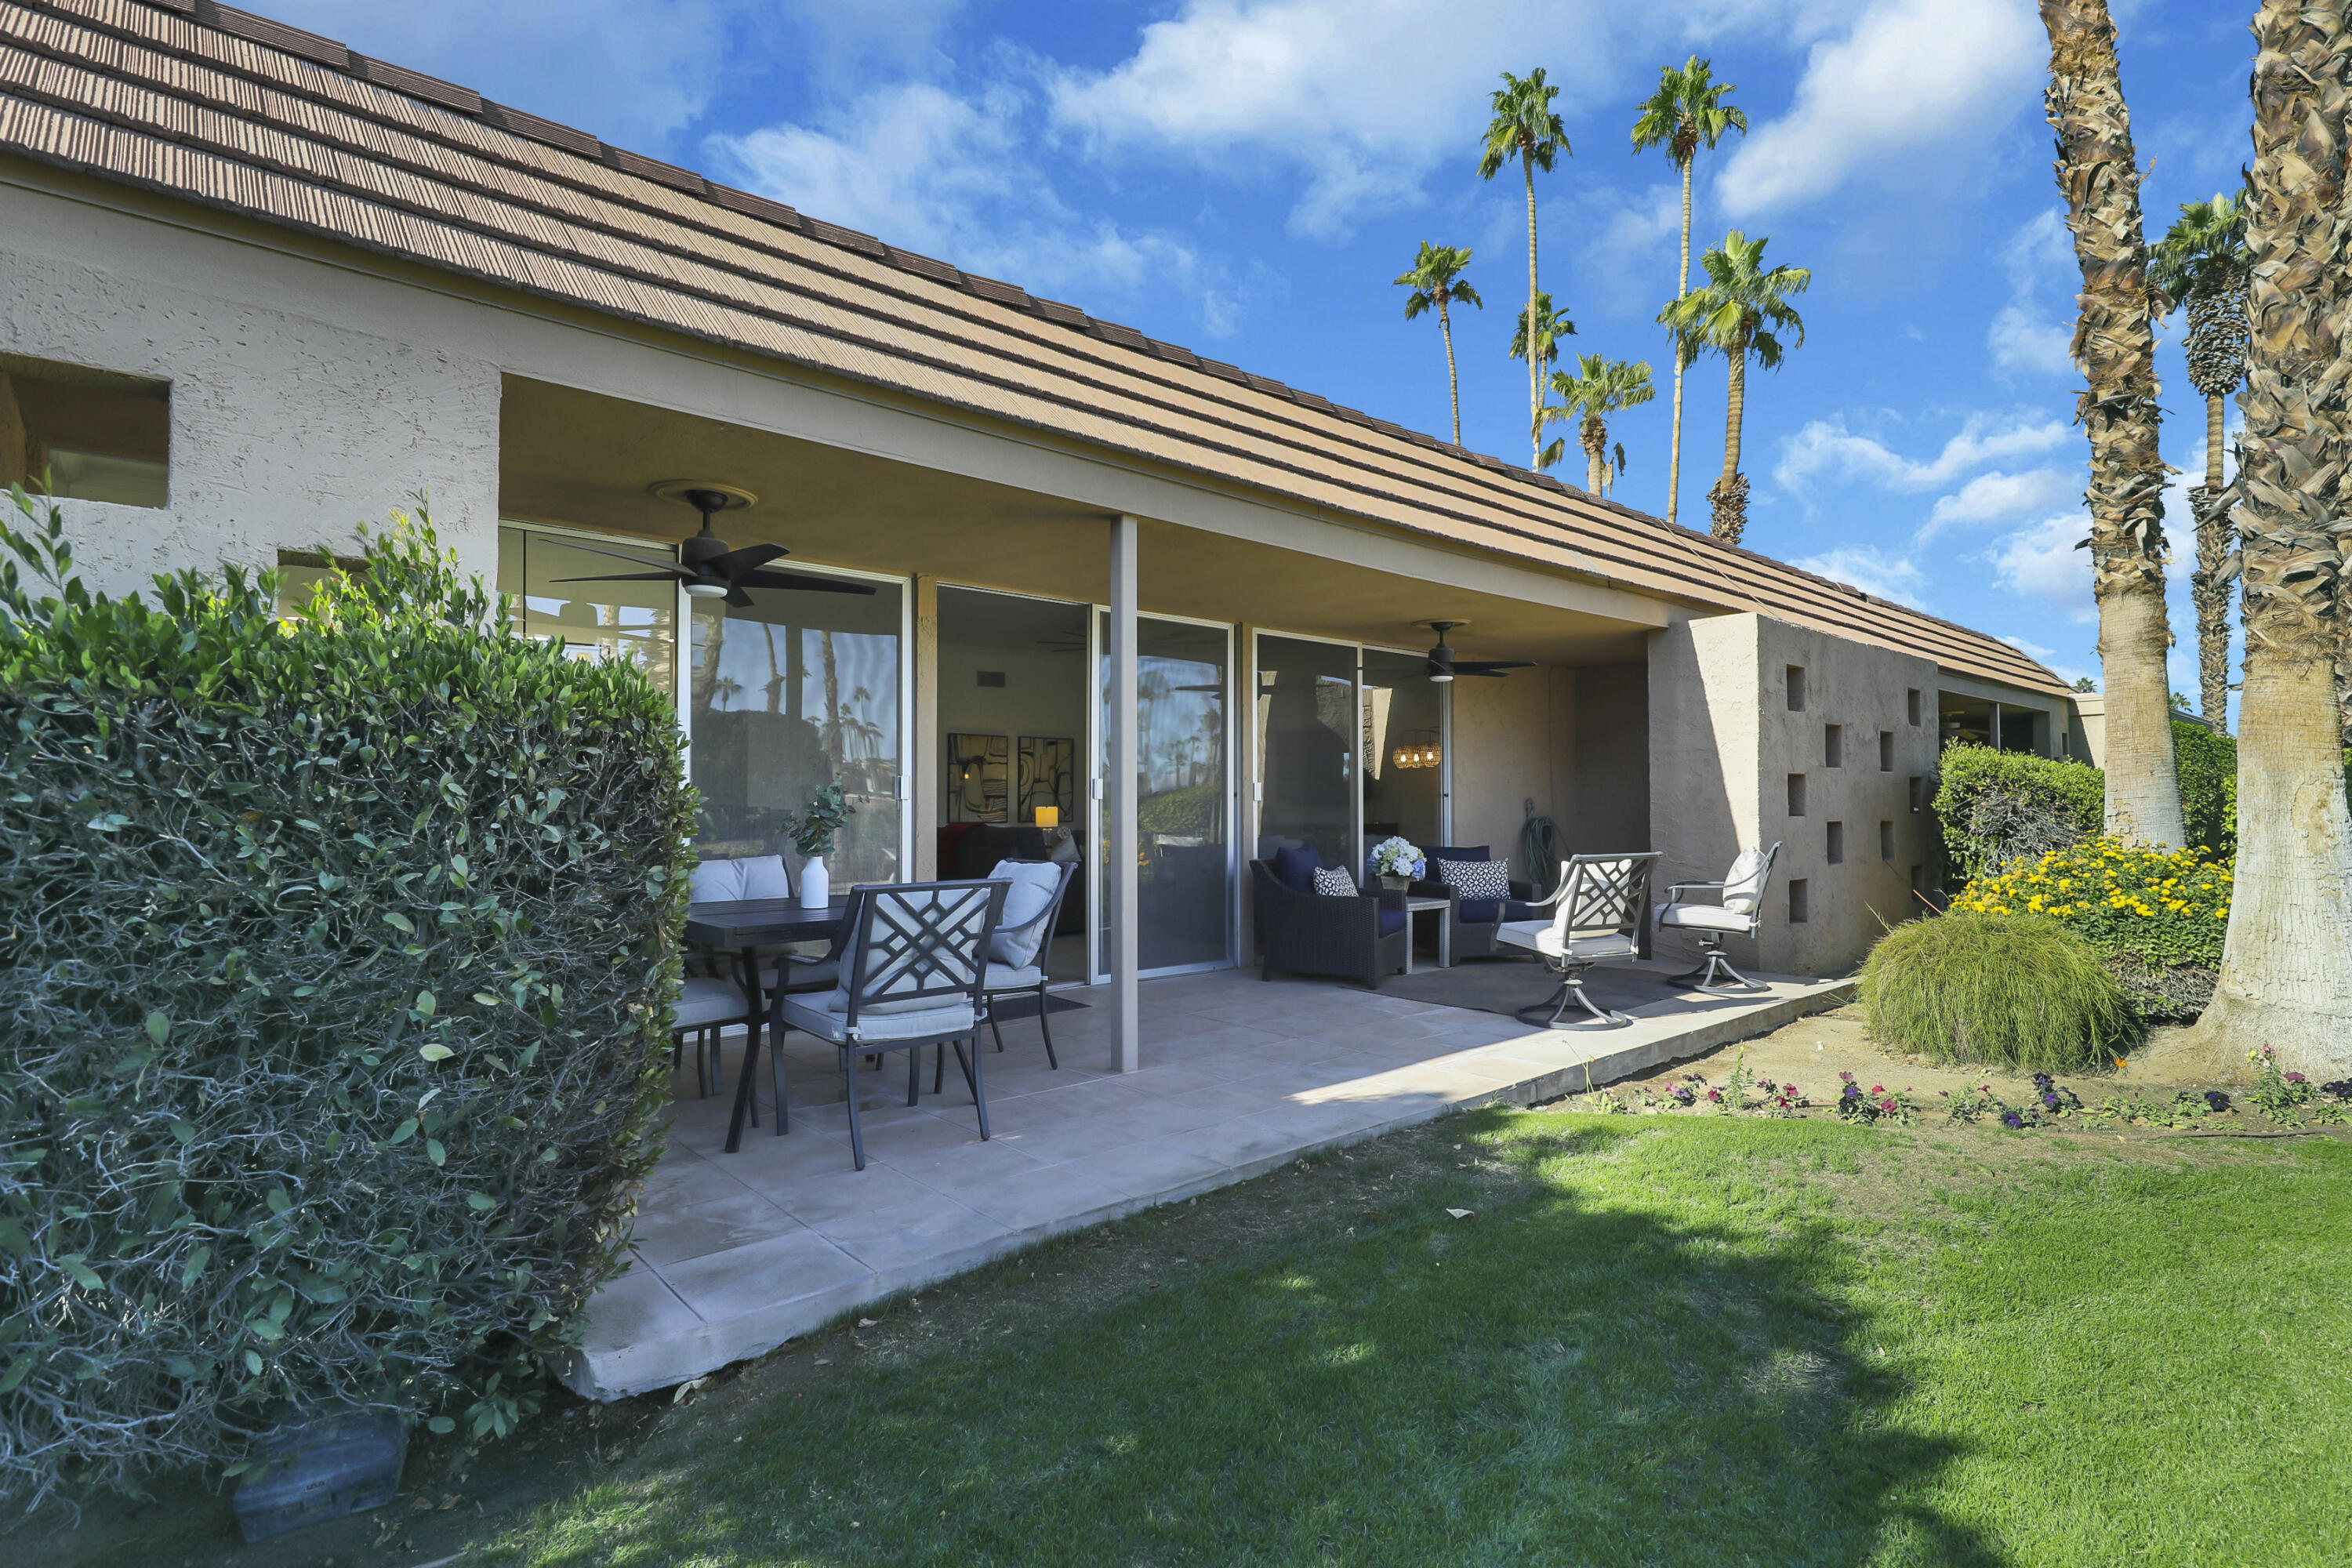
column 1295, row 868
column 1444, row 852
column 1484, row 912
column 1392, row 921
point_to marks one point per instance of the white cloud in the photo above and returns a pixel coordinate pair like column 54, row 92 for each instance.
column 953, row 177
column 1826, row 447
column 1872, row 571
column 1912, row 75
column 2040, row 562
column 2024, row 339
column 631, row 72
column 1627, row 262
column 2000, row 497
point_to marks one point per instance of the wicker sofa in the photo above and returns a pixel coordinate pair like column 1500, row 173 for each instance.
column 1473, row 925
column 1363, row 938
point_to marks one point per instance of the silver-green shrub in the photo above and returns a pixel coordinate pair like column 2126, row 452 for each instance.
column 338, row 953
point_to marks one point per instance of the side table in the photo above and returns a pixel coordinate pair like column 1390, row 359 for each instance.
column 1445, row 930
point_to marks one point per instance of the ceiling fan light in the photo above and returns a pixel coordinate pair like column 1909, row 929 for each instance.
column 1440, row 680
column 706, row 590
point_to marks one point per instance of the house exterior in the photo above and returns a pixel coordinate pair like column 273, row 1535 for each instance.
column 256, row 289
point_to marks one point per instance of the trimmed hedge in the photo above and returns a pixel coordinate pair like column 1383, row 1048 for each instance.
column 2017, row 991
column 2207, row 766
column 340, row 959
column 1994, row 806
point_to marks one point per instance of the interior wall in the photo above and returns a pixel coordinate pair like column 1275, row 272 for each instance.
column 1612, row 796
column 1503, row 757
column 1043, row 693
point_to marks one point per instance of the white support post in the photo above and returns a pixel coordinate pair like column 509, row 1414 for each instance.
column 1120, row 830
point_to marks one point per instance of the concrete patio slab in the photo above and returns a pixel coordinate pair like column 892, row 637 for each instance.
column 734, row 1254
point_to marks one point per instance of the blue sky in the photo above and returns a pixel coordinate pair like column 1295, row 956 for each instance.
column 1246, row 176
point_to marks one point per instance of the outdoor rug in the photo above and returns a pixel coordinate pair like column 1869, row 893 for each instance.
column 1011, row 1007
column 1505, row 985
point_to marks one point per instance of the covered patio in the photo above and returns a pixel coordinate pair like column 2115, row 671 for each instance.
column 734, row 1254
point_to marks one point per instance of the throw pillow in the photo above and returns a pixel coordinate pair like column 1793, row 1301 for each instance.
column 1333, row 882
column 1295, row 868
column 1477, row 878
column 1033, row 885
column 1744, row 882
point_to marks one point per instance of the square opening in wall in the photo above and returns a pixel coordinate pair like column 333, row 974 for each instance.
column 85, row 435
column 1911, row 707
column 1796, row 688
column 1832, row 745
column 1886, row 841
column 1918, row 792
column 991, row 677
column 1800, row 903
column 1886, row 750
column 1796, row 794
column 1833, row 841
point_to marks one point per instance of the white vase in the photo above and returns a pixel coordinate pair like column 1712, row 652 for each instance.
column 816, row 885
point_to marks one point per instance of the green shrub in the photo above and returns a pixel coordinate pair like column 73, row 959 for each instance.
column 2207, row 766
column 341, row 954
column 2018, row 991
column 1993, row 807
column 2162, row 907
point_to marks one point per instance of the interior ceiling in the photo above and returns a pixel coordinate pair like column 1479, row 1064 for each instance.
column 585, row 460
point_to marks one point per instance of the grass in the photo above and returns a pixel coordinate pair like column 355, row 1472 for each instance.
column 1653, row 1341
column 2020, row 992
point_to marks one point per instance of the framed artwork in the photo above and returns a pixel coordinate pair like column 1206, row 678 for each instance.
column 977, row 778
column 1047, row 775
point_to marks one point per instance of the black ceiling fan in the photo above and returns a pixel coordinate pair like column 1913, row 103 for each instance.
column 708, row 567
column 1444, row 667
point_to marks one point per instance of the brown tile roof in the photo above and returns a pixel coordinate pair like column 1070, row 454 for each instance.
column 234, row 110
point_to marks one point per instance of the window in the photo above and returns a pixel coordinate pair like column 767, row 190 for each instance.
column 1796, row 688
column 1918, row 792
column 1796, row 794
column 1886, row 841
column 1911, row 707
column 84, row 434
column 592, row 620
column 1799, row 903
column 1835, row 843
column 1832, row 745
column 1886, row 750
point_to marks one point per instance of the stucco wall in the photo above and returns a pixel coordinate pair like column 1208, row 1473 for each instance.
column 1725, row 742
column 1503, row 757
column 1612, row 809
column 287, row 429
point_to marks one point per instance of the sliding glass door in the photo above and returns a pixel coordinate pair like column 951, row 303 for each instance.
column 1351, row 749
column 1183, row 790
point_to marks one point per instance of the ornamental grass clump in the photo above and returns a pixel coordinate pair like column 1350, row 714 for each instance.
column 2020, row 991
column 340, row 953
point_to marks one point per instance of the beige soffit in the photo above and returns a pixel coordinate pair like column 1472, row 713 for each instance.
column 232, row 110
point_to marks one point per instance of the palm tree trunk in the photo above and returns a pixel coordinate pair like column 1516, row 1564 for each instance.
column 2115, row 346
column 1681, row 286
column 1534, row 359
column 1452, row 380
column 2286, row 967
column 1596, row 456
column 1729, row 496
column 2208, row 592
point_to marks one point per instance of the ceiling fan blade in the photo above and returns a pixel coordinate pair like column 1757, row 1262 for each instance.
column 737, row 597
column 1489, row 665
column 798, row 580
column 623, row 555
column 737, row 561
column 671, row 575
column 1473, row 670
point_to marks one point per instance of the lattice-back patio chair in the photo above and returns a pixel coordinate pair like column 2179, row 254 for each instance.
column 913, row 963
column 1737, row 911
column 1602, row 910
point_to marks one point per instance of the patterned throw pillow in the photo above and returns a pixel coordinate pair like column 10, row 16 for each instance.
column 1474, row 880
column 1333, row 882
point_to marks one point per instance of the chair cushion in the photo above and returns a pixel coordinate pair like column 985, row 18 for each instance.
column 1477, row 878
column 918, row 1024
column 1035, row 883
column 1542, row 936
column 1392, row 921
column 814, row 974
column 1333, row 882
column 764, row 877
column 1702, row 917
column 702, row 1002
column 1002, row 978
column 1295, row 868
column 1743, row 885
column 717, row 882
column 1483, row 911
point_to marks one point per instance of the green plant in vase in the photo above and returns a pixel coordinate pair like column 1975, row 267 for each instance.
column 812, row 833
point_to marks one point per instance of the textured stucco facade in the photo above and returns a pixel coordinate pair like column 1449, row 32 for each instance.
column 1827, row 772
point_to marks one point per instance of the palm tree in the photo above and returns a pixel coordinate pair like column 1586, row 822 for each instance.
column 1551, row 327
column 1435, row 279
column 1740, row 312
column 1687, row 112
column 2114, row 344
column 1599, row 388
column 2201, row 264
column 2286, row 967
column 1525, row 128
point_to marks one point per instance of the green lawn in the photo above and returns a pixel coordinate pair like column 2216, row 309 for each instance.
column 1656, row 1341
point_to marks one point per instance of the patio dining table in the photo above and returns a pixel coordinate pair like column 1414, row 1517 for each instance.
column 745, row 926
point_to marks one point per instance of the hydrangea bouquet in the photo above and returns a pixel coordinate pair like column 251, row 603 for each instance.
column 1397, row 857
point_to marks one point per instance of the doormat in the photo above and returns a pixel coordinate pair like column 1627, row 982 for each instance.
column 1008, row 1008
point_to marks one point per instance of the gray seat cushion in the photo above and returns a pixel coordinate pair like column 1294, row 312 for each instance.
column 818, row 1018
column 1543, row 937
column 1003, row 977
column 703, row 1001
column 1703, row 917
column 1021, row 928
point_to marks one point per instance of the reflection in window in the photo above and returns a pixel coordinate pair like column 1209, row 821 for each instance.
column 1402, row 756
column 592, row 620
column 1181, row 791
column 1306, row 735
column 794, row 691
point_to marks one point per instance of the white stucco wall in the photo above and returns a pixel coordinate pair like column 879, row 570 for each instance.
column 1724, row 743
column 287, row 429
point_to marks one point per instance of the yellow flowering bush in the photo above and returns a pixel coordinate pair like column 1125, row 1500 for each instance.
column 2163, row 907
